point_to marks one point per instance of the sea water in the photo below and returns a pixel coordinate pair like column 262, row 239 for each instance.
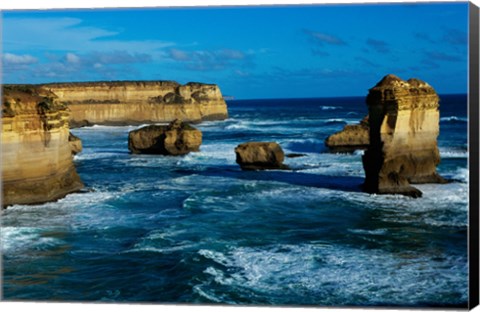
column 196, row 229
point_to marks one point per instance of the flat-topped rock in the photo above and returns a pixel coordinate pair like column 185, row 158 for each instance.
column 178, row 138
column 404, row 126
column 260, row 156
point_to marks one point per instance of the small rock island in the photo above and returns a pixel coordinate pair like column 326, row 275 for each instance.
column 351, row 138
column 260, row 156
column 178, row 138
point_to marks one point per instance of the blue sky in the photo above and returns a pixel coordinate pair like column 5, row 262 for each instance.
column 250, row 52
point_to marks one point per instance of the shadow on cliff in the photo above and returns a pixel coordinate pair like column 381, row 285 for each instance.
column 347, row 184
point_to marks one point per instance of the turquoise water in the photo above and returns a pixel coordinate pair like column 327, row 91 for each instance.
column 196, row 229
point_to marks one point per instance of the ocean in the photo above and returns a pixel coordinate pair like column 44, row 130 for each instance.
column 196, row 229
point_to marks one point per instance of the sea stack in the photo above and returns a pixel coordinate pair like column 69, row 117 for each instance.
column 260, row 156
column 37, row 164
column 404, row 126
column 351, row 138
column 178, row 138
column 139, row 102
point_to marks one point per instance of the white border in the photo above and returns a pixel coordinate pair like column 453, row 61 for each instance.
column 77, row 4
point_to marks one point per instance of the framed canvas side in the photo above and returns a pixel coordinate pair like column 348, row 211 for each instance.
column 473, row 98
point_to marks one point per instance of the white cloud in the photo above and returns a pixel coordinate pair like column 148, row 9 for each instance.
column 68, row 34
column 72, row 58
column 207, row 60
column 14, row 59
column 179, row 55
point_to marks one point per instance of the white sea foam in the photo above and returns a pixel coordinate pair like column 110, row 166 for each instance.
column 267, row 125
column 325, row 107
column 20, row 239
column 369, row 232
column 454, row 118
column 217, row 153
column 334, row 165
column 109, row 128
column 461, row 174
column 336, row 274
column 160, row 249
column 86, row 155
column 440, row 205
column 336, row 120
column 309, row 145
column 446, row 152
column 199, row 290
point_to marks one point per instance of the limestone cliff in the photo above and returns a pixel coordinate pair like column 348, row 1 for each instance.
column 37, row 163
column 137, row 102
column 351, row 138
column 404, row 126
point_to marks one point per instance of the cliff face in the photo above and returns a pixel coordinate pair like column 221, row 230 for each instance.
column 137, row 102
column 404, row 126
column 37, row 161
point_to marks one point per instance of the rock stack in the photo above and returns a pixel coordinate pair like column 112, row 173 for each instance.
column 351, row 138
column 404, row 126
column 260, row 156
column 178, row 138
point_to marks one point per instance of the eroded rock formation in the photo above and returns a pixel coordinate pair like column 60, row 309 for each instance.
column 137, row 102
column 178, row 138
column 75, row 144
column 404, row 126
column 37, row 164
column 260, row 156
column 351, row 138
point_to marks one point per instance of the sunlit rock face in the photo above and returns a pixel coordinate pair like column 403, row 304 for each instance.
column 137, row 102
column 260, row 156
column 178, row 138
column 350, row 138
column 37, row 164
column 75, row 144
column 404, row 126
